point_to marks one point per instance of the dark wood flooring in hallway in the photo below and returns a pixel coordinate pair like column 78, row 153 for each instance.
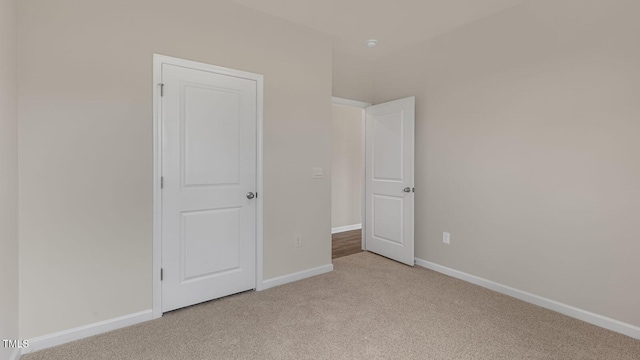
column 346, row 243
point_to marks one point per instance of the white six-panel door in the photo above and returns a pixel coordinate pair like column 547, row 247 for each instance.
column 209, row 133
column 389, row 192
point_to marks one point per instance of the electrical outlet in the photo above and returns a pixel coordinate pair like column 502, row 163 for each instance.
column 446, row 238
column 298, row 241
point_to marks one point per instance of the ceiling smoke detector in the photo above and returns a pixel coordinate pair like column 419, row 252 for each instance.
column 371, row 43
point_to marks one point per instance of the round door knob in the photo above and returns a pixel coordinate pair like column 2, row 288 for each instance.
column 250, row 195
column 407, row 189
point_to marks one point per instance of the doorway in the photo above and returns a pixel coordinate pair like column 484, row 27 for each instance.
column 207, row 183
column 347, row 177
column 381, row 173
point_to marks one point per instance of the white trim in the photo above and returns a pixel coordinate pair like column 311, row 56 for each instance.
column 340, row 229
column 285, row 279
column 347, row 102
column 259, row 187
column 157, row 194
column 158, row 60
column 17, row 353
column 65, row 336
column 592, row 318
column 363, row 192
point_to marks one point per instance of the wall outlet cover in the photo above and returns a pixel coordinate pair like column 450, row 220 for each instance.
column 446, row 238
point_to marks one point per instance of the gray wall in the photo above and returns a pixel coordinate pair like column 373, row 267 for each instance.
column 8, row 177
column 85, row 104
column 527, row 145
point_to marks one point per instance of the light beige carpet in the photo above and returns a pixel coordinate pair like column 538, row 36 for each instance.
column 368, row 308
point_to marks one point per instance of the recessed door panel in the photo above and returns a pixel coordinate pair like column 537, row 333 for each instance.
column 387, row 218
column 212, row 125
column 210, row 242
column 388, row 146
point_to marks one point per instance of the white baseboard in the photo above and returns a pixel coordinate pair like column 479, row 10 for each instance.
column 340, row 229
column 285, row 279
column 592, row 318
column 65, row 336
column 17, row 353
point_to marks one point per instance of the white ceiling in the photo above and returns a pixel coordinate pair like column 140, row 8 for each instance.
column 396, row 24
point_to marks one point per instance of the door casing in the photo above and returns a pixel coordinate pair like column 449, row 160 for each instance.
column 158, row 60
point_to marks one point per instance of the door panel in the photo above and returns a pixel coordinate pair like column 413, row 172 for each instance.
column 389, row 156
column 212, row 136
column 387, row 218
column 388, row 149
column 209, row 125
column 210, row 242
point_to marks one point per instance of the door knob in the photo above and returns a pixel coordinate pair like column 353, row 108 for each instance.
column 250, row 195
column 407, row 189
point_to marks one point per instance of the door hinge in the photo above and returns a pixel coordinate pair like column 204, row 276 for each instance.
column 161, row 89
column 161, row 274
column 162, row 182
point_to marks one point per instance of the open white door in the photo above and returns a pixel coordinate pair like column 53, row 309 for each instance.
column 389, row 154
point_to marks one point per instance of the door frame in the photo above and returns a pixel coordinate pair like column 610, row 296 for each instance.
column 158, row 60
column 363, row 105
